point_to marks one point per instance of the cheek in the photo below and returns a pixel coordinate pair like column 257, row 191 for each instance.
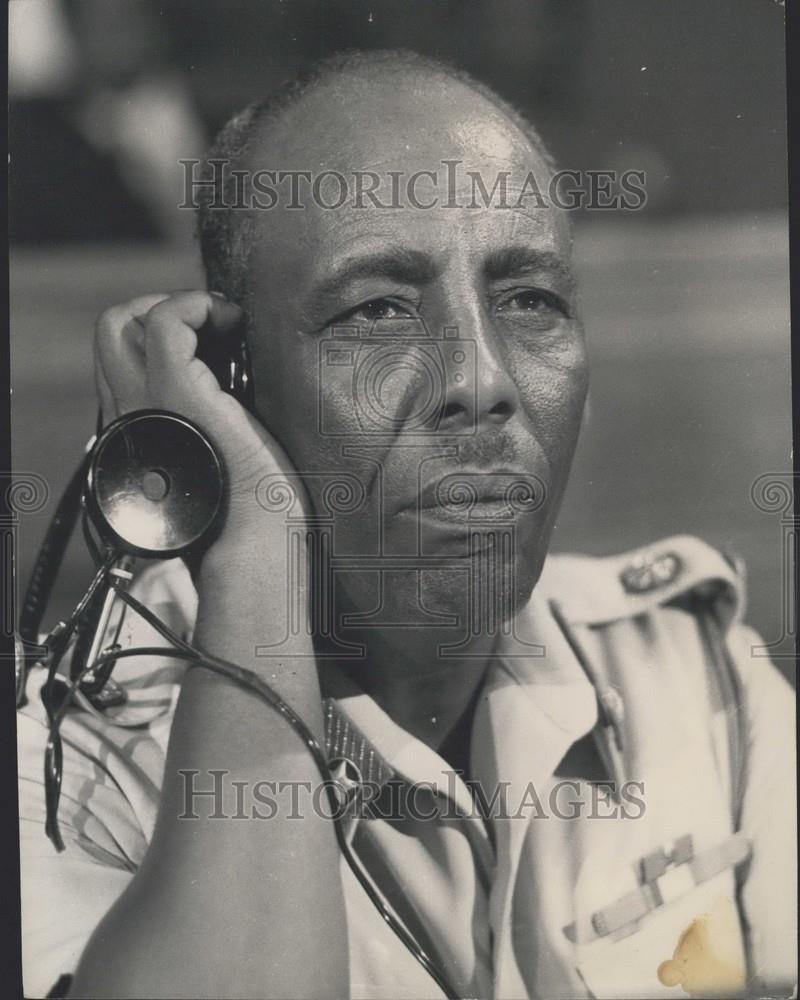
column 286, row 389
column 552, row 384
column 298, row 403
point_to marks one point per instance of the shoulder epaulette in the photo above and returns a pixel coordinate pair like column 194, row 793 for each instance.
column 598, row 590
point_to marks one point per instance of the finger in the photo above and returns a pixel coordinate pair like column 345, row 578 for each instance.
column 193, row 310
column 174, row 374
column 120, row 369
column 105, row 397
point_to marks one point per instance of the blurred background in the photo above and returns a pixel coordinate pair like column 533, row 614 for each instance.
column 686, row 302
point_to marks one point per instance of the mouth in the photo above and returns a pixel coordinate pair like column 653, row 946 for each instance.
column 470, row 498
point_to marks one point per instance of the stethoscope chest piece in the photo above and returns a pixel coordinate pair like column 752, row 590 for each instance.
column 155, row 484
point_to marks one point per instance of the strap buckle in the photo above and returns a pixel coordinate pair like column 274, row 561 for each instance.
column 654, row 865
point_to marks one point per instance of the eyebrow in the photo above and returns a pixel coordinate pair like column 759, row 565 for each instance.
column 411, row 267
column 514, row 261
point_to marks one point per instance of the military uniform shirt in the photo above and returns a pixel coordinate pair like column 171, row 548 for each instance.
column 563, row 891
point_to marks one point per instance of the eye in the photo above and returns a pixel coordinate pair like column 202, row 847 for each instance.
column 374, row 310
column 534, row 304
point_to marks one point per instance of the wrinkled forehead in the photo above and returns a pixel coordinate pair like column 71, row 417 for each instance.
column 399, row 150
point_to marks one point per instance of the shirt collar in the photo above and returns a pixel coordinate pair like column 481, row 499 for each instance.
column 535, row 703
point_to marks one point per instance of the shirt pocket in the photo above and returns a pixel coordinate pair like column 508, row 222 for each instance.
column 690, row 931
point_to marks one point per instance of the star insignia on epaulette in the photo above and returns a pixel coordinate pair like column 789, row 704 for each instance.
column 649, row 571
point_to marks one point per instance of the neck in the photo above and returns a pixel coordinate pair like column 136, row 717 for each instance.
column 430, row 696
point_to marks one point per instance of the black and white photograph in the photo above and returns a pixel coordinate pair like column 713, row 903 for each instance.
column 401, row 543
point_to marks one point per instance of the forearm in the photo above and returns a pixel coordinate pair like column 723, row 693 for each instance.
column 226, row 906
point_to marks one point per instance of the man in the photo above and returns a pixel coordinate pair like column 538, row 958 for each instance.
column 593, row 764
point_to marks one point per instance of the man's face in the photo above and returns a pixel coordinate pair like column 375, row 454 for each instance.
column 428, row 358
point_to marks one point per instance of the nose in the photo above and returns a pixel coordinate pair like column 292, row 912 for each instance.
column 479, row 392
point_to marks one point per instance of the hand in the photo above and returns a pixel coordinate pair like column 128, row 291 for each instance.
column 145, row 357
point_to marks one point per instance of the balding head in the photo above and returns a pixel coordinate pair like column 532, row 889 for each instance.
column 366, row 88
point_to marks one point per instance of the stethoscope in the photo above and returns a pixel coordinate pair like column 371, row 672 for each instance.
column 150, row 486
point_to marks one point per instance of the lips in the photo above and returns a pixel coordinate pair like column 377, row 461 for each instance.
column 470, row 495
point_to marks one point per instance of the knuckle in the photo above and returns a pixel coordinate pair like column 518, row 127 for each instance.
column 177, row 306
column 160, row 312
column 109, row 322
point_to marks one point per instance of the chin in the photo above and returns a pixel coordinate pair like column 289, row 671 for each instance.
column 475, row 593
column 481, row 597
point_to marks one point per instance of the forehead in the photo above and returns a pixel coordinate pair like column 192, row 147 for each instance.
column 380, row 129
column 372, row 115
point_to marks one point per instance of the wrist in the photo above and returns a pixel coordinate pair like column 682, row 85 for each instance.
column 246, row 582
column 250, row 541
